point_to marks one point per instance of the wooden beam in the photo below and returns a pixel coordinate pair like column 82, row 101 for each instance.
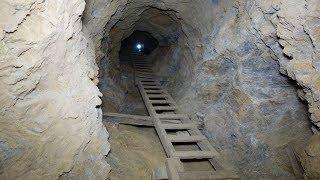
column 172, row 170
column 194, row 154
column 208, row 175
column 128, row 119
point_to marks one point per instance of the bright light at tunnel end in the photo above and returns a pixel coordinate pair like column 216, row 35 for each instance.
column 139, row 46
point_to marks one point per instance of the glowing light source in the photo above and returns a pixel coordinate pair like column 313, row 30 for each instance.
column 139, row 46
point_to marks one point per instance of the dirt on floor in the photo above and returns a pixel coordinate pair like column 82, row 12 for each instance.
column 135, row 152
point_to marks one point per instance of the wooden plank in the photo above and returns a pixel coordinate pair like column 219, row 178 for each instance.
column 175, row 138
column 172, row 170
column 160, row 102
column 153, row 91
column 156, row 96
column 128, row 119
column 194, row 154
column 142, row 81
column 208, row 175
column 179, row 126
column 148, row 86
column 142, row 66
column 143, row 71
column 165, row 108
column 119, row 115
column 151, row 83
column 172, row 116
column 140, row 77
column 170, row 121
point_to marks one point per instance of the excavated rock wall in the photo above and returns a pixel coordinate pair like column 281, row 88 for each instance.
column 50, row 120
column 230, row 82
column 223, row 61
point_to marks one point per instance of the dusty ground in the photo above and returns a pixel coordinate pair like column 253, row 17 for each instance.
column 135, row 152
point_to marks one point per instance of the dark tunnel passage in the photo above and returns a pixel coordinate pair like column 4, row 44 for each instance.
column 140, row 42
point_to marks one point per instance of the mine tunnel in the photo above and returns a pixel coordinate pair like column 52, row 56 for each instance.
column 159, row 89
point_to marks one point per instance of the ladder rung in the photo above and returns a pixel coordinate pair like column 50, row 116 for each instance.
column 142, row 67
column 196, row 138
column 164, row 108
column 143, row 70
column 156, row 96
column 153, row 91
column 194, row 154
column 149, row 81
column 144, row 77
column 210, row 175
column 173, row 116
column 144, row 73
column 151, row 84
column 160, row 102
column 147, row 87
column 179, row 126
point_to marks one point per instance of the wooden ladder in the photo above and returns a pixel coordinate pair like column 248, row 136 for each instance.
column 163, row 112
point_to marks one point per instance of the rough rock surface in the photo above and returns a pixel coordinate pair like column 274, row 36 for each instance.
column 50, row 123
column 135, row 152
column 223, row 60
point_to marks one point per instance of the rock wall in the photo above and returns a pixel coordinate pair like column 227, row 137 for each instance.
column 228, row 78
column 50, row 120
column 223, row 61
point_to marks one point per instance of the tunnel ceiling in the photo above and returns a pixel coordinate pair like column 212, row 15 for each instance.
column 162, row 24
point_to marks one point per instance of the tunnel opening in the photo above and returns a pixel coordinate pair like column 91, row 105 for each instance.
column 138, row 43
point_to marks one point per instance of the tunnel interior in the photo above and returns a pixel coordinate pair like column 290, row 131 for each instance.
column 209, row 86
column 139, row 42
column 245, row 73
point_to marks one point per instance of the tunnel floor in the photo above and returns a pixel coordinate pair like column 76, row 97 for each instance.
column 135, row 152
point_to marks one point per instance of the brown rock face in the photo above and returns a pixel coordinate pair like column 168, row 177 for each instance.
column 223, row 65
column 50, row 125
column 310, row 158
